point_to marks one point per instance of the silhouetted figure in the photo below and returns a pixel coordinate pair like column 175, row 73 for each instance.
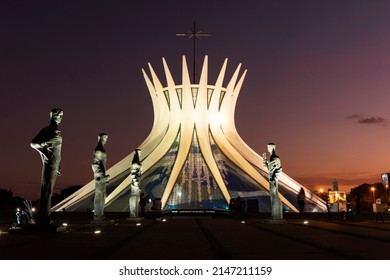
column 48, row 143
column 156, row 204
column 99, row 161
column 234, row 204
column 274, row 167
column 328, row 206
column 357, row 203
column 21, row 217
column 301, row 201
column 243, row 208
column 144, row 199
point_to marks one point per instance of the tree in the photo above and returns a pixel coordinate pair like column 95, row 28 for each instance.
column 363, row 197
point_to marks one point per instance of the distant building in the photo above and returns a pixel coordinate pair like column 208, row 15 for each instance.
column 335, row 185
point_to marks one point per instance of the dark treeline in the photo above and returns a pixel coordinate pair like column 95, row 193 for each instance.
column 10, row 202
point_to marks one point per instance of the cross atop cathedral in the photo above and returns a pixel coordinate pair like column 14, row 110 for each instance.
column 194, row 34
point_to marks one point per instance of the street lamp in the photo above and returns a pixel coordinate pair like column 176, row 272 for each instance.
column 385, row 181
column 322, row 193
column 373, row 193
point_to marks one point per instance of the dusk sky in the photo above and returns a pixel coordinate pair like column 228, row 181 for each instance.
column 318, row 81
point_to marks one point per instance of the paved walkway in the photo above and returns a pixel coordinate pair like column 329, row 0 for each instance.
column 201, row 238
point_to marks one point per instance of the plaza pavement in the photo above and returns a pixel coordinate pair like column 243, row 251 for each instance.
column 201, row 237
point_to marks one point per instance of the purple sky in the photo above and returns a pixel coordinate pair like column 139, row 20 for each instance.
column 318, row 80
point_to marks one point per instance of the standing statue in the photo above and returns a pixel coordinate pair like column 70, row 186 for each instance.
column 134, row 199
column 135, row 190
column 101, row 178
column 48, row 143
column 274, row 167
column 136, row 166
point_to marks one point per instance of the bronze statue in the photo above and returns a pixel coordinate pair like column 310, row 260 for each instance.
column 136, row 166
column 274, row 167
column 48, row 143
column 101, row 178
column 134, row 198
column 135, row 190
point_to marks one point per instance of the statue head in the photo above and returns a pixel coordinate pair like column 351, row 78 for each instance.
column 137, row 154
column 56, row 115
column 271, row 147
column 103, row 138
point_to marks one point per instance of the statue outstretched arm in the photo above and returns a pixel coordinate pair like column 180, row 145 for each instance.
column 45, row 141
column 265, row 161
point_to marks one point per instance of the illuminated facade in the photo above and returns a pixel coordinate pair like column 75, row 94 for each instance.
column 193, row 157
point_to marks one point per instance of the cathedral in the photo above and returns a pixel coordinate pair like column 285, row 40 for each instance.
column 194, row 157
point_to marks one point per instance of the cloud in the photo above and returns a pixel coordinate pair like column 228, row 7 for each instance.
column 363, row 119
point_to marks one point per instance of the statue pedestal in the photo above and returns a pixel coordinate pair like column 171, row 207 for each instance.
column 100, row 222
column 276, row 221
column 135, row 219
